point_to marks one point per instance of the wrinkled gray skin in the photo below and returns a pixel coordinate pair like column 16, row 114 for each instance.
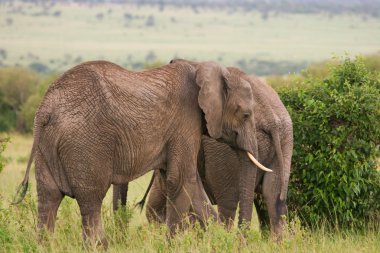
column 100, row 124
column 274, row 134
column 220, row 167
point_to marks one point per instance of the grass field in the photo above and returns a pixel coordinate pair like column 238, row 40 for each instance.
column 126, row 34
column 18, row 223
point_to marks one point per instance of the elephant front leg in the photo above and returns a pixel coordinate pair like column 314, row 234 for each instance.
column 262, row 213
column 227, row 212
column 277, row 208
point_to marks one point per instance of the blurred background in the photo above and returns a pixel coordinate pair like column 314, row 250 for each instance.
column 261, row 37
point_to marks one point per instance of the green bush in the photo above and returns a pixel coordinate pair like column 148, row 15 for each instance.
column 3, row 142
column 28, row 109
column 320, row 70
column 336, row 123
column 21, row 91
column 372, row 62
column 16, row 85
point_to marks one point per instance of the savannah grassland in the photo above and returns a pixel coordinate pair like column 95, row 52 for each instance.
column 127, row 35
column 64, row 35
column 18, row 224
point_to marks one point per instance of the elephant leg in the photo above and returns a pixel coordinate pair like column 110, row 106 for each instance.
column 49, row 195
column 276, row 208
column 90, row 209
column 262, row 213
column 227, row 215
column 90, row 194
column 156, row 206
column 227, row 206
column 120, row 193
column 201, row 205
column 123, row 194
column 115, row 197
column 181, row 180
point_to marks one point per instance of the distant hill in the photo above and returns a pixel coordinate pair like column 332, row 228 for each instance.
column 366, row 7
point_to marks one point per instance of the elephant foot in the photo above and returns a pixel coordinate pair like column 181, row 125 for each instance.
column 96, row 245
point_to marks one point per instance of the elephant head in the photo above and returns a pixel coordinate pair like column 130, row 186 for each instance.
column 226, row 99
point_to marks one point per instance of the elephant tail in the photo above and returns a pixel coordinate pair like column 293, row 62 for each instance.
column 141, row 203
column 280, row 157
column 23, row 187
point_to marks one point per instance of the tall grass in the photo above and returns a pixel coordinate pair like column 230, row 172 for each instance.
column 128, row 230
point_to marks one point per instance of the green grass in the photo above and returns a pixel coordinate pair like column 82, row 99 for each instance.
column 18, row 225
column 178, row 32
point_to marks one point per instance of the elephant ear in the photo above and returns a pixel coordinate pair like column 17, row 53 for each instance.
column 211, row 78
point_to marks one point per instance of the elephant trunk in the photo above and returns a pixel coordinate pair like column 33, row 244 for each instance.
column 246, row 190
column 247, row 182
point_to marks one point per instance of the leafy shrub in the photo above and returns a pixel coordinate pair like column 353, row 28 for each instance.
column 3, row 142
column 319, row 70
column 21, row 91
column 372, row 62
column 287, row 81
column 336, row 124
column 16, row 85
column 28, row 109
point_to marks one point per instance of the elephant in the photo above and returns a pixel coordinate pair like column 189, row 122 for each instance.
column 100, row 124
column 220, row 167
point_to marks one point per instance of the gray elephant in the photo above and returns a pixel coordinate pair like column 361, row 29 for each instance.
column 100, row 124
column 274, row 134
column 220, row 166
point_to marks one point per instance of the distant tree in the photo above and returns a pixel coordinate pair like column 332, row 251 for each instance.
column 99, row 16
column 161, row 5
column 16, row 86
column 57, row 13
column 128, row 16
column 39, row 67
column 150, row 57
column 265, row 15
column 150, row 21
column 9, row 21
column 28, row 109
column 78, row 59
column 3, row 53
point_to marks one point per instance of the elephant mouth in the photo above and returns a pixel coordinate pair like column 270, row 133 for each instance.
column 253, row 159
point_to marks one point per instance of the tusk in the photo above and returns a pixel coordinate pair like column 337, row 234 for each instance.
column 253, row 159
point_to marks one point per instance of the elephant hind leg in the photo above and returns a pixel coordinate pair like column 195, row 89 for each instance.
column 119, row 193
column 201, row 205
column 156, row 205
column 90, row 209
column 49, row 195
column 181, row 181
